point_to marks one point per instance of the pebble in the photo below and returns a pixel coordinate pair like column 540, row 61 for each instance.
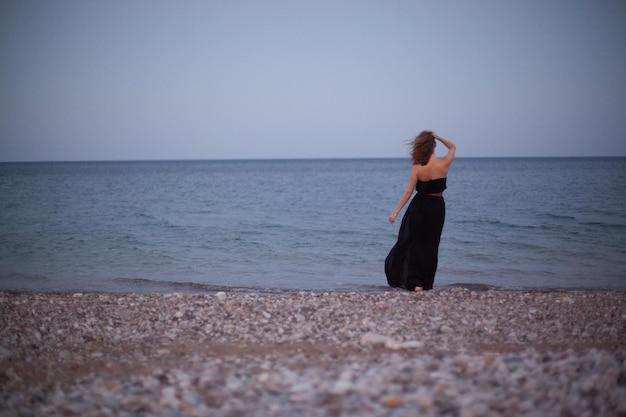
column 450, row 352
column 411, row 344
column 391, row 401
column 377, row 340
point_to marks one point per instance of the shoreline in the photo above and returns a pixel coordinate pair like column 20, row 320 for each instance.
column 191, row 288
column 452, row 351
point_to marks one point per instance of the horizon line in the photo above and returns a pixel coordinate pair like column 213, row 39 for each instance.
column 293, row 159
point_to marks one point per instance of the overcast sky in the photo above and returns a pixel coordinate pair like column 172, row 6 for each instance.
column 131, row 79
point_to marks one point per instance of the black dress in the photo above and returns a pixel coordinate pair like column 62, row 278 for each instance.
column 412, row 262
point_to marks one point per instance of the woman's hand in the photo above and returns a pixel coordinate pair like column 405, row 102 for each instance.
column 392, row 217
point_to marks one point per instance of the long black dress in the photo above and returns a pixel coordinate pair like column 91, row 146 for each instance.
column 412, row 262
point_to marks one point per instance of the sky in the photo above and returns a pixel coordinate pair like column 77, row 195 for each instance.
column 238, row 79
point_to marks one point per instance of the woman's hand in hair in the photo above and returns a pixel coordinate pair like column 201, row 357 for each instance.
column 436, row 136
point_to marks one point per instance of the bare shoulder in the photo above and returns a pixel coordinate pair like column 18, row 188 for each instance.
column 418, row 170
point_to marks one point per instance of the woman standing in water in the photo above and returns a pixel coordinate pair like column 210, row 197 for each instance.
column 412, row 262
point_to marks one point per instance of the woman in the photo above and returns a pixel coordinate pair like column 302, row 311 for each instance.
column 412, row 262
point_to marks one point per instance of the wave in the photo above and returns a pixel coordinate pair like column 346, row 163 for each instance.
column 150, row 285
column 24, row 278
column 558, row 216
column 194, row 287
column 604, row 225
column 471, row 286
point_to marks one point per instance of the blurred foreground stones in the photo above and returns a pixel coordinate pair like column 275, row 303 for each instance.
column 453, row 352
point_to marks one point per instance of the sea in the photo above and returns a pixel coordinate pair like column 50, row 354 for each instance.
column 272, row 226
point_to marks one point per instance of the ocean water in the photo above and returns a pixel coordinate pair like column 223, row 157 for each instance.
column 283, row 225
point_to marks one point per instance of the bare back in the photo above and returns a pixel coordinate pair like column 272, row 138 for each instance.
column 434, row 169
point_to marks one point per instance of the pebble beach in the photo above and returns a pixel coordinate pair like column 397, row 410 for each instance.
column 453, row 352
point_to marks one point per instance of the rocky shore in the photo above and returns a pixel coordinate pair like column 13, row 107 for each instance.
column 452, row 352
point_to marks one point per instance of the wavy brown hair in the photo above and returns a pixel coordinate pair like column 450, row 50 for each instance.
column 422, row 147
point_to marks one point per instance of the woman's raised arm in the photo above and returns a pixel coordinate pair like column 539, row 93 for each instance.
column 451, row 148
